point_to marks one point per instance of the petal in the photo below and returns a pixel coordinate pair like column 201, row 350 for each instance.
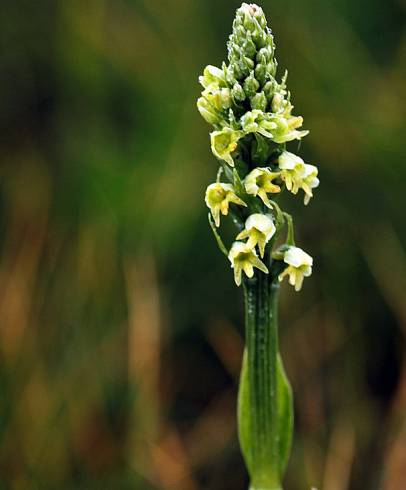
column 236, row 200
column 264, row 198
column 299, row 281
column 283, row 274
column 224, row 207
column 256, row 262
column 261, row 246
column 242, row 235
column 248, row 269
column 237, row 274
column 292, row 276
column 252, row 241
column 215, row 212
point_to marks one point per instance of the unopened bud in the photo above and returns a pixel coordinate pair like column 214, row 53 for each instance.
column 207, row 111
column 260, row 73
column 259, row 101
column 251, row 85
column 238, row 92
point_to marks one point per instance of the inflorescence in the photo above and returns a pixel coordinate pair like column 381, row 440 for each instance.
column 251, row 113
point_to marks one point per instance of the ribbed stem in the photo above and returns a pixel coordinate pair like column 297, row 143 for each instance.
column 261, row 300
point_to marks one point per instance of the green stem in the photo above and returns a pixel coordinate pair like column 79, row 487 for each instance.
column 261, row 301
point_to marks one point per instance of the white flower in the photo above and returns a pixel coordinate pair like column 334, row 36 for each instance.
column 243, row 258
column 259, row 229
column 299, row 266
column 259, row 182
column 218, row 198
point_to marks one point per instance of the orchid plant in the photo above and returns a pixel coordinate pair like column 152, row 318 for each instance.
column 251, row 114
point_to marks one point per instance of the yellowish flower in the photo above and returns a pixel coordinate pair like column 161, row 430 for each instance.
column 243, row 258
column 292, row 170
column 286, row 128
column 218, row 198
column 224, row 142
column 259, row 182
column 257, row 121
column 259, row 229
column 299, row 266
column 213, row 78
column 309, row 181
column 298, row 175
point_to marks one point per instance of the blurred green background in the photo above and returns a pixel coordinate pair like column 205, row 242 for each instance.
column 120, row 325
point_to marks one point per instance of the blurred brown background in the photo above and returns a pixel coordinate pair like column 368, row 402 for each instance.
column 120, row 325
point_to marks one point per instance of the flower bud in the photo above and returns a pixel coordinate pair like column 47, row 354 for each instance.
column 212, row 78
column 263, row 56
column 251, row 85
column 259, row 101
column 238, row 92
column 269, row 89
column 207, row 111
column 230, row 75
column 277, row 102
column 271, row 68
column 249, row 47
column 261, row 73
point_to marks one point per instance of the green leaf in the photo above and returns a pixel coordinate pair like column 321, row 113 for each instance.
column 243, row 415
column 285, row 416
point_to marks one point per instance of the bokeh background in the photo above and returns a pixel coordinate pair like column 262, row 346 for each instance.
column 120, row 325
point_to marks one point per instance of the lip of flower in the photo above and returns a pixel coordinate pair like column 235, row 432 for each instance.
column 218, row 198
column 299, row 266
column 243, row 258
column 259, row 229
column 259, row 182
